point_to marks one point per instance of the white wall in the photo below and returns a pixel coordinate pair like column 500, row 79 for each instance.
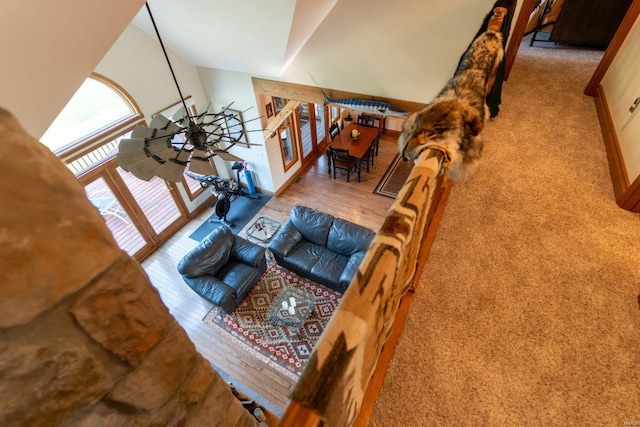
column 136, row 63
column 404, row 50
column 621, row 85
column 396, row 50
column 49, row 48
column 223, row 87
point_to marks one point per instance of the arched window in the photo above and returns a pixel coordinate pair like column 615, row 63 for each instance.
column 98, row 109
column 86, row 132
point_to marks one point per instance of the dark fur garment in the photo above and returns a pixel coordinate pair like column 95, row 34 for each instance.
column 455, row 118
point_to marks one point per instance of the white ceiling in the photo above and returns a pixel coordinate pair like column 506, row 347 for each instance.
column 251, row 36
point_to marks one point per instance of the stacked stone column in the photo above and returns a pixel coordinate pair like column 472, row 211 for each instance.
column 85, row 339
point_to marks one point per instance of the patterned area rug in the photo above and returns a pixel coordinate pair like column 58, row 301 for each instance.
column 394, row 178
column 249, row 325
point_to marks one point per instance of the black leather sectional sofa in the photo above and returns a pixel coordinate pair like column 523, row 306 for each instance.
column 320, row 247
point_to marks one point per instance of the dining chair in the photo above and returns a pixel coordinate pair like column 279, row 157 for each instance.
column 376, row 144
column 334, row 130
column 366, row 120
column 342, row 160
column 367, row 158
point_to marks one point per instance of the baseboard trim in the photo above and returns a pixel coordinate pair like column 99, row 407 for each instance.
column 617, row 169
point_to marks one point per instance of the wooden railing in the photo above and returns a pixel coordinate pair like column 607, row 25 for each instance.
column 332, row 387
column 345, row 371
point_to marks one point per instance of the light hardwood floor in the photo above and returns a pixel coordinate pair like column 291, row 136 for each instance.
column 353, row 201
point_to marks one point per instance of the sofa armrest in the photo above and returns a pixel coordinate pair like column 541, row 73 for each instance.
column 210, row 288
column 351, row 269
column 285, row 239
column 247, row 252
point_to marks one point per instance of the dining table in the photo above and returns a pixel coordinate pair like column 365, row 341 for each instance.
column 358, row 147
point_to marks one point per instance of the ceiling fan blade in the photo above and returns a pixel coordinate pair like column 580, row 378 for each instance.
column 128, row 158
column 203, row 167
column 171, row 171
column 130, row 144
column 161, row 122
column 202, row 113
column 223, row 109
column 228, row 156
column 180, row 114
column 145, row 169
column 141, row 132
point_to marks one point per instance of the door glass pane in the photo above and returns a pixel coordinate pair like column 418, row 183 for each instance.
column 287, row 145
column 305, row 129
column 154, row 199
column 117, row 220
column 335, row 112
column 319, row 121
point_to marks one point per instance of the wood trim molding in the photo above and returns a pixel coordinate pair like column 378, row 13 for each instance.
column 617, row 169
column 516, row 35
column 630, row 200
column 611, row 52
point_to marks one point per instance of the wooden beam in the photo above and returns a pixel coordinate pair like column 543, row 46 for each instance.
column 274, row 124
column 313, row 94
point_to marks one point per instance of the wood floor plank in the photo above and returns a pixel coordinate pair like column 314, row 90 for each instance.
column 353, row 201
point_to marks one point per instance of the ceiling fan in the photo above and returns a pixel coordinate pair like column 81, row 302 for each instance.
column 168, row 146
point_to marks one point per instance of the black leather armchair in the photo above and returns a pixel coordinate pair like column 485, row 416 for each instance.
column 320, row 247
column 223, row 268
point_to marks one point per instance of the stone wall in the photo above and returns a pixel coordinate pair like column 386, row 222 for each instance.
column 85, row 339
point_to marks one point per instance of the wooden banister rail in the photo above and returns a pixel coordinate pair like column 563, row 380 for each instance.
column 332, row 387
column 345, row 371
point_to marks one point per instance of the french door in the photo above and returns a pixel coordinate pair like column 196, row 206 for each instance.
column 310, row 119
column 140, row 214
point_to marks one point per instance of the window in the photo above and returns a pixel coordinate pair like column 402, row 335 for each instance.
column 99, row 107
column 287, row 145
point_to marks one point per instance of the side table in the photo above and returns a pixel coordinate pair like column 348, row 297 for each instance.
column 263, row 229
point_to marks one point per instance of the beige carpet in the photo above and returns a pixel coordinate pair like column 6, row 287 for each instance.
column 528, row 309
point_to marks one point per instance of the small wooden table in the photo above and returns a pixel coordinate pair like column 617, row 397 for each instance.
column 357, row 148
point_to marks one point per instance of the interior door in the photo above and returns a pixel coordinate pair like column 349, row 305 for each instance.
column 140, row 214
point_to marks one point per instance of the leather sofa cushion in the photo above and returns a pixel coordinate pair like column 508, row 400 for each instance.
column 347, row 238
column 330, row 266
column 312, row 224
column 305, row 255
column 211, row 254
column 236, row 274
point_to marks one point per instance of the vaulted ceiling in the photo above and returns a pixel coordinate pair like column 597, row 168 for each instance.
column 256, row 37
